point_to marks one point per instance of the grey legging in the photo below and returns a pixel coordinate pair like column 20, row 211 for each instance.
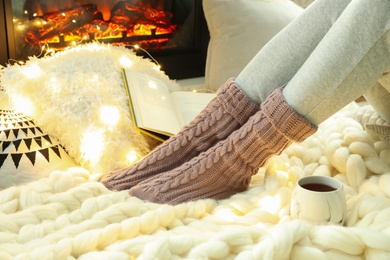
column 329, row 56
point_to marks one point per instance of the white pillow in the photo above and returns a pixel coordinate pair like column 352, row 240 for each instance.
column 67, row 94
column 27, row 153
column 238, row 30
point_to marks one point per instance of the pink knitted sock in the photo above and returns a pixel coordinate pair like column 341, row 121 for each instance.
column 225, row 113
column 227, row 167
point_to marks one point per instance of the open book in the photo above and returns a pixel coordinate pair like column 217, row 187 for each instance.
column 155, row 110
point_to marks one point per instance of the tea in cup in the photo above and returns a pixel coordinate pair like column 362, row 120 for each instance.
column 319, row 199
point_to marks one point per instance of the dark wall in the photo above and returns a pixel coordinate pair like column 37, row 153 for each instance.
column 3, row 36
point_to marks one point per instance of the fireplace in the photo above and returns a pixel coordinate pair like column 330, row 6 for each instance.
column 173, row 32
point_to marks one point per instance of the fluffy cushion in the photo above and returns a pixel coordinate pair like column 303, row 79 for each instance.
column 78, row 96
column 27, row 153
column 238, row 30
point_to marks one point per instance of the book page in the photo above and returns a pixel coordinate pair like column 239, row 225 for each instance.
column 152, row 104
column 188, row 104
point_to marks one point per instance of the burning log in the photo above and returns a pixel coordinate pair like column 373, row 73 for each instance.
column 130, row 21
column 128, row 15
column 66, row 21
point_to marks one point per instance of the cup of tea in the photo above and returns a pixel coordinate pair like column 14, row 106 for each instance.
column 319, row 199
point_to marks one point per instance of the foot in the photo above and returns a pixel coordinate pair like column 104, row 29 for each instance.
column 225, row 113
column 227, row 167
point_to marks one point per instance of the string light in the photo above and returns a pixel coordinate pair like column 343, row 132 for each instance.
column 152, row 85
column 92, row 145
column 272, row 204
column 132, row 157
column 20, row 62
column 32, row 70
column 125, row 62
column 137, row 47
column 109, row 115
column 226, row 214
column 23, row 105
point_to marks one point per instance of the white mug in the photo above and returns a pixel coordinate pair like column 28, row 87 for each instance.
column 319, row 199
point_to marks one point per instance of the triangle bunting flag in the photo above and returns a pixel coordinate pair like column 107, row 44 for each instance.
column 17, row 143
column 3, row 157
column 56, row 150
column 45, row 153
column 5, row 145
column 47, row 138
column 31, row 156
column 16, row 158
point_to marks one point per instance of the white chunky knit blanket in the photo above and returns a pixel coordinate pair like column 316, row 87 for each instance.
column 70, row 216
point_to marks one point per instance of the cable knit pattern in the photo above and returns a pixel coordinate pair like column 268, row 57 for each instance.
column 227, row 167
column 225, row 113
column 373, row 123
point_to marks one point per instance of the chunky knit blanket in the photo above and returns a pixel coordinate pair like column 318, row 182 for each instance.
column 70, row 215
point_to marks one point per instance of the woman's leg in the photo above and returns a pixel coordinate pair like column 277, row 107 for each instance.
column 347, row 62
column 280, row 59
column 349, row 58
column 220, row 118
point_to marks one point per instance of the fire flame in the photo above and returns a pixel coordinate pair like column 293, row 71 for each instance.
column 128, row 23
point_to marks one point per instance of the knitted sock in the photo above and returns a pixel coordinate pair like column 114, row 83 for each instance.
column 224, row 114
column 227, row 167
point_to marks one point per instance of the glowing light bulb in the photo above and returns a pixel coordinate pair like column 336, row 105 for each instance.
column 226, row 214
column 125, row 62
column 109, row 115
column 23, row 105
column 152, row 85
column 270, row 204
column 132, row 157
column 92, row 145
column 32, row 71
